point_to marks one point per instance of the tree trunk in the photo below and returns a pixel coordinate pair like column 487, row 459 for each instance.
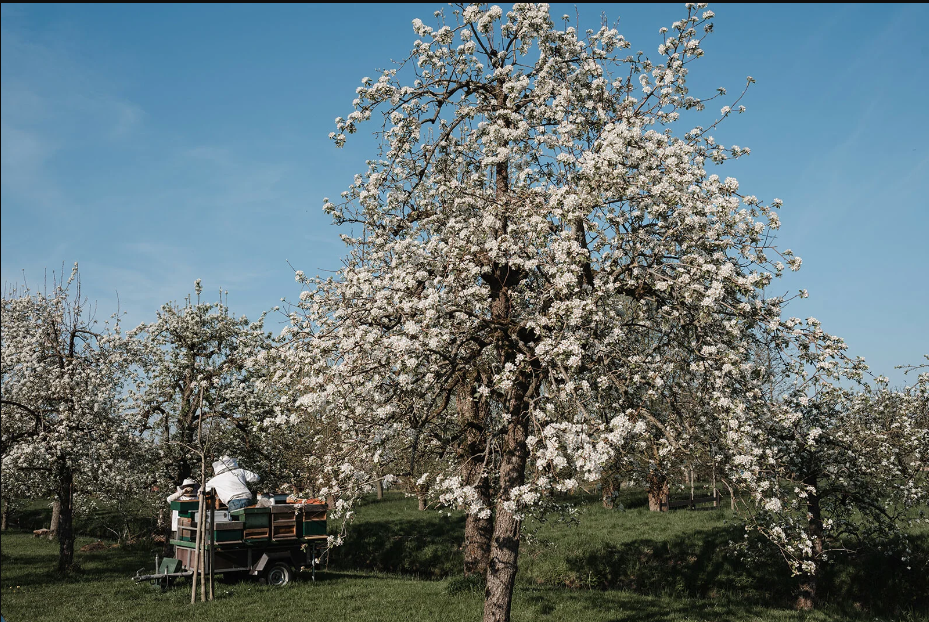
column 478, row 535
column 807, row 598
column 504, row 550
column 472, row 412
column 658, row 490
column 379, row 486
column 422, row 501
column 56, row 516
column 610, row 487
column 691, row 486
column 4, row 516
column 66, row 520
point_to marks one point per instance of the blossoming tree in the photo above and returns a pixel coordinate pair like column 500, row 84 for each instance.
column 202, row 363
column 536, row 234
column 841, row 468
column 66, row 428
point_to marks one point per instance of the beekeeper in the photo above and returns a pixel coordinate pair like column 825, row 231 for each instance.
column 186, row 491
column 231, row 483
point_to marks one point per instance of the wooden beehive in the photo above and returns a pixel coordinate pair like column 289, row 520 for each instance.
column 313, row 521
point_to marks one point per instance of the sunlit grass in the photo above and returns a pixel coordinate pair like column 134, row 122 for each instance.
column 402, row 564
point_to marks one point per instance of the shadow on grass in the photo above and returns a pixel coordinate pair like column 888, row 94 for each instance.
column 706, row 565
column 626, row 607
column 701, row 564
column 29, row 561
column 428, row 547
column 882, row 582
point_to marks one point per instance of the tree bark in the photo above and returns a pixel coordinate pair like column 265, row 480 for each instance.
column 56, row 515
column 609, row 489
column 504, row 550
column 807, row 597
column 658, row 490
column 472, row 413
column 478, row 535
column 66, row 520
column 379, row 486
column 4, row 517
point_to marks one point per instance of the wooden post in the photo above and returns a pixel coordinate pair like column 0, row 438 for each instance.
column 198, row 558
column 201, row 514
column 212, row 540
column 201, row 528
column 201, row 561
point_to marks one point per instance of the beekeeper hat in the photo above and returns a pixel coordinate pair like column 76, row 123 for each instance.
column 188, row 482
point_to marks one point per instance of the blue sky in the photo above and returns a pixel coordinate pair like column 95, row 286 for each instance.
column 160, row 144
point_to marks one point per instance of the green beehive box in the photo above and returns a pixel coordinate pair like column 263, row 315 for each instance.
column 229, row 531
column 254, row 518
column 314, row 521
column 314, row 528
column 185, row 508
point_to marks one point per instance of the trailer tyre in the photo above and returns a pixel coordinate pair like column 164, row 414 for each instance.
column 279, row 574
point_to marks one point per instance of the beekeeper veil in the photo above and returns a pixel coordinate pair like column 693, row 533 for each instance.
column 225, row 464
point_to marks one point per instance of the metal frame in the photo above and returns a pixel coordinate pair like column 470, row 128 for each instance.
column 271, row 552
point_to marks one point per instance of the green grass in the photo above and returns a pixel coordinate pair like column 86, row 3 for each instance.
column 399, row 563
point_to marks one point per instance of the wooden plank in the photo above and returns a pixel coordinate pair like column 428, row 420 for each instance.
column 257, row 534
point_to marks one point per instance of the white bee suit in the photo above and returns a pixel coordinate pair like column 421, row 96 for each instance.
column 230, row 481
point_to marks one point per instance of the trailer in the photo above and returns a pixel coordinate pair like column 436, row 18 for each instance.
column 268, row 542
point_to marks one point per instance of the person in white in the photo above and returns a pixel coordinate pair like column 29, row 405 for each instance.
column 185, row 492
column 231, row 483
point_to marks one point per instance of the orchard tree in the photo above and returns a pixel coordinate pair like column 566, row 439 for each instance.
column 66, row 428
column 202, row 366
column 843, row 469
column 536, row 233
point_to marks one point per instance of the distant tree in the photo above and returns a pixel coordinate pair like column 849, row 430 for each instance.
column 843, row 469
column 66, row 428
column 202, row 362
column 535, row 234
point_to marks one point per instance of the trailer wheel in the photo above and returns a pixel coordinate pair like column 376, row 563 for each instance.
column 279, row 574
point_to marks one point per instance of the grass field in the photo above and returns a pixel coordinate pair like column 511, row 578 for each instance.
column 402, row 564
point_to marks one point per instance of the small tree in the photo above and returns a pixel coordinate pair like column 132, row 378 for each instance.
column 64, row 417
